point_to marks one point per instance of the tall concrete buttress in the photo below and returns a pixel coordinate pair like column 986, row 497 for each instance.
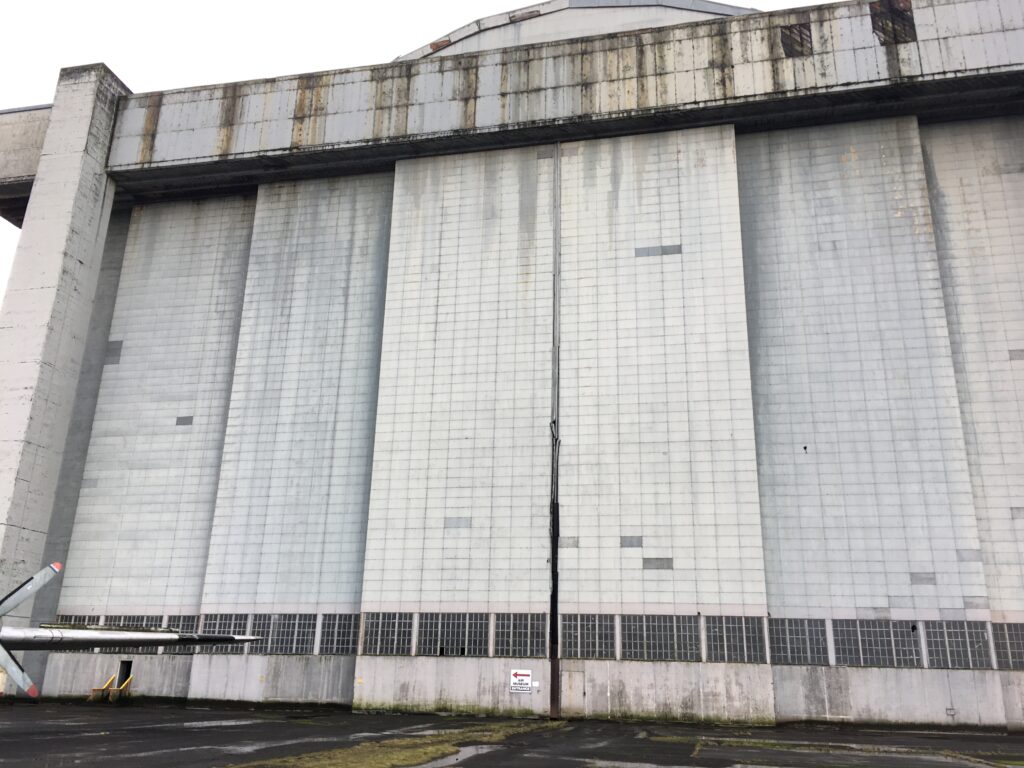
column 45, row 316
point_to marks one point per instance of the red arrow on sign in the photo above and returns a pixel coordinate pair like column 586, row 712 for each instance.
column 516, row 674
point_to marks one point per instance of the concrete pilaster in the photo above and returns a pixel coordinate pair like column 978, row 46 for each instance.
column 45, row 316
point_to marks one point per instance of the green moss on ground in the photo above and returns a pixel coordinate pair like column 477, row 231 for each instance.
column 408, row 750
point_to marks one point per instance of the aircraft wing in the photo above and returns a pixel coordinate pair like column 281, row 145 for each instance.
column 12, row 600
column 55, row 638
column 58, row 639
column 28, row 588
column 16, row 673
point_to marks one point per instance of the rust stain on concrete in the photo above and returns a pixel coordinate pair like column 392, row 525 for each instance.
column 467, row 91
column 721, row 63
column 309, row 114
column 391, row 88
column 152, row 119
column 229, row 106
column 503, row 90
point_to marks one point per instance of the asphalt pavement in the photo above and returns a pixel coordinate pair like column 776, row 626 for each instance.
column 52, row 735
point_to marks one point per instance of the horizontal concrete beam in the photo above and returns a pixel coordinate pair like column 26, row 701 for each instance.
column 21, row 142
column 657, row 73
column 738, row 70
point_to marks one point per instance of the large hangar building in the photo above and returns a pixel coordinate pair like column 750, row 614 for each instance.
column 679, row 365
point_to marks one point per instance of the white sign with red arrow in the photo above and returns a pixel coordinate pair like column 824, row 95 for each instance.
column 521, row 681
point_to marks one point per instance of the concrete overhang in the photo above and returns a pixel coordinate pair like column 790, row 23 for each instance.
column 21, row 142
column 731, row 70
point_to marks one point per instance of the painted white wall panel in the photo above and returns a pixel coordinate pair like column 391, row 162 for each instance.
column 658, row 472
column 865, row 494
column 461, row 471
column 976, row 182
column 144, row 517
column 290, row 521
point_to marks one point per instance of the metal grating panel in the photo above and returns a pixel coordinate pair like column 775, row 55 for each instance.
column 520, row 635
column 224, row 624
column 798, row 641
column 387, row 634
column 339, row 634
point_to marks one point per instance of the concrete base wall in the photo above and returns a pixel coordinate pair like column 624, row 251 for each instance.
column 672, row 691
column 955, row 697
column 76, row 674
column 437, row 684
column 750, row 693
column 305, row 679
column 1013, row 699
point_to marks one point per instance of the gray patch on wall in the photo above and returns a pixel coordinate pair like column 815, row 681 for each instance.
column 657, row 563
column 631, row 541
column 113, row 356
column 457, row 522
column 922, row 579
column 183, row 421
column 658, row 250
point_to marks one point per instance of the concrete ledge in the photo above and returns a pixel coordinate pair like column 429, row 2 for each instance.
column 76, row 674
column 668, row 691
column 951, row 697
column 301, row 679
column 446, row 684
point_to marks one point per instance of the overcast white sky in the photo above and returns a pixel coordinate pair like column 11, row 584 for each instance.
column 155, row 46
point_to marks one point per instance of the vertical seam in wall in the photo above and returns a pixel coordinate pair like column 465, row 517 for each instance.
column 236, row 332
column 936, row 208
column 385, row 236
column 556, row 262
column 340, row 351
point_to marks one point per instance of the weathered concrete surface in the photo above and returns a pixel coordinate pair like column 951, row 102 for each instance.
column 955, row 697
column 76, row 674
column 1013, row 699
column 21, row 143
column 680, row 74
column 446, row 684
column 323, row 679
column 667, row 690
column 258, row 678
column 727, row 70
column 45, row 317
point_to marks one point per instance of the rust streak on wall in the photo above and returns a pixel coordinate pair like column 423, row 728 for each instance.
column 152, row 118
column 228, row 118
column 468, row 83
column 310, row 109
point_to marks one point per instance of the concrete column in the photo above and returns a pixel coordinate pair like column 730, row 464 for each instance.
column 45, row 316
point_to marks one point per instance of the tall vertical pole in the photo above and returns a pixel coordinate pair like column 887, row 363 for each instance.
column 556, row 257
